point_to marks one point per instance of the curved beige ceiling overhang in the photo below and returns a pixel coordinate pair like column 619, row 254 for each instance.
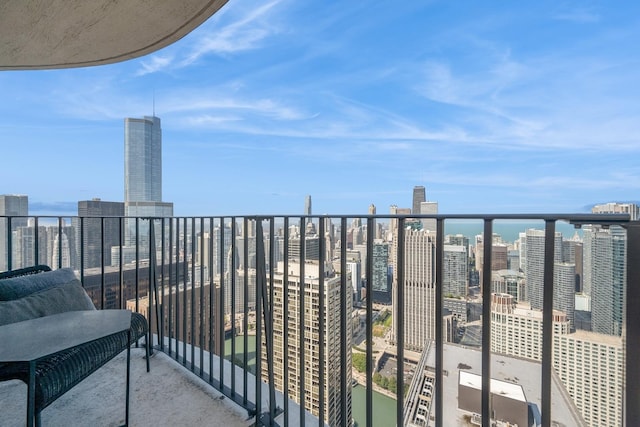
column 46, row 34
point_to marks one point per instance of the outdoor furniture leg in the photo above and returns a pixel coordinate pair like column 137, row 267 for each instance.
column 126, row 418
column 31, row 394
column 147, row 351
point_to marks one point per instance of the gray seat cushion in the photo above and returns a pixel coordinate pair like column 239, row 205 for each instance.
column 18, row 287
column 60, row 298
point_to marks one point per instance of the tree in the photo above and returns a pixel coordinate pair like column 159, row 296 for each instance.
column 359, row 361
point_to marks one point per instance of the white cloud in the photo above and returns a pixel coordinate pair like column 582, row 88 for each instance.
column 242, row 34
column 579, row 15
column 153, row 64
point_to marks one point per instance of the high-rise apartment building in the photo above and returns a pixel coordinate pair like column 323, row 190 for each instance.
column 380, row 288
column 590, row 365
column 143, row 175
column 499, row 255
column 25, row 241
column 534, row 271
column 618, row 208
column 510, row 282
column 605, row 277
column 516, row 330
column 99, row 234
column 456, row 271
column 564, row 282
column 331, row 387
column 11, row 205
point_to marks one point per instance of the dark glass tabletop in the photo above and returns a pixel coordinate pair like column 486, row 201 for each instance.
column 36, row 338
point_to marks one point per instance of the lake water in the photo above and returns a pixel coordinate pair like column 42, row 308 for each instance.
column 508, row 230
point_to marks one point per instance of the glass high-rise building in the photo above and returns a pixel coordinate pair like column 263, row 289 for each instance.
column 419, row 196
column 11, row 205
column 142, row 160
column 605, row 276
column 99, row 234
column 143, row 177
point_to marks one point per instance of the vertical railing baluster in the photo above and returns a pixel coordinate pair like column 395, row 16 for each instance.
column 35, row 242
column 177, row 296
column 82, row 243
column 547, row 320
column 344, row 319
column 102, row 257
column 486, row 322
column 59, row 244
column 259, row 260
column 172, row 285
column 185, row 288
column 212, row 300
column 369, row 322
column 137, row 221
column 232, row 280
column 220, row 315
column 201, row 310
column 272, row 390
column 262, row 299
column 439, row 322
column 321, row 319
column 301, row 324
column 245, row 322
column 153, row 275
column 193, row 335
column 285, row 320
column 631, row 330
column 121, row 258
column 399, row 312
column 9, row 244
column 162, row 283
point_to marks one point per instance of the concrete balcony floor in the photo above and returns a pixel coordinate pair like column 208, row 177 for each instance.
column 169, row 395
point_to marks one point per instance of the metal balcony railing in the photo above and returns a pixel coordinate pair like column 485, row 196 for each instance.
column 243, row 301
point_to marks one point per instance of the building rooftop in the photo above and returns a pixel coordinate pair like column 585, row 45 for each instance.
column 504, row 369
column 510, row 390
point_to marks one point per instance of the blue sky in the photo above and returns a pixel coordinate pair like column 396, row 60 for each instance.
column 495, row 107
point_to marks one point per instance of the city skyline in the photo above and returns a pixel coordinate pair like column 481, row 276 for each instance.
column 509, row 110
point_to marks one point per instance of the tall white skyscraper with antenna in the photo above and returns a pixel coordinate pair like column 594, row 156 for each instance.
column 143, row 174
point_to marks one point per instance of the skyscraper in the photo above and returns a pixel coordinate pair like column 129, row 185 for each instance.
column 534, row 271
column 143, row 175
column 11, row 205
column 419, row 196
column 331, row 387
column 456, row 271
column 142, row 160
column 563, row 278
column 590, row 365
column 605, row 277
column 307, row 205
column 380, row 281
column 96, row 243
column 419, row 289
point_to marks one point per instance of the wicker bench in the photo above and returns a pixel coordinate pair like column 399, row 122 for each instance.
column 61, row 371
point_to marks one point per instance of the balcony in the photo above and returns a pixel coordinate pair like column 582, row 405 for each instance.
column 222, row 296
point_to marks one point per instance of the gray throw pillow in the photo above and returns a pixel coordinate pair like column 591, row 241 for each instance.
column 58, row 299
column 18, row 287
